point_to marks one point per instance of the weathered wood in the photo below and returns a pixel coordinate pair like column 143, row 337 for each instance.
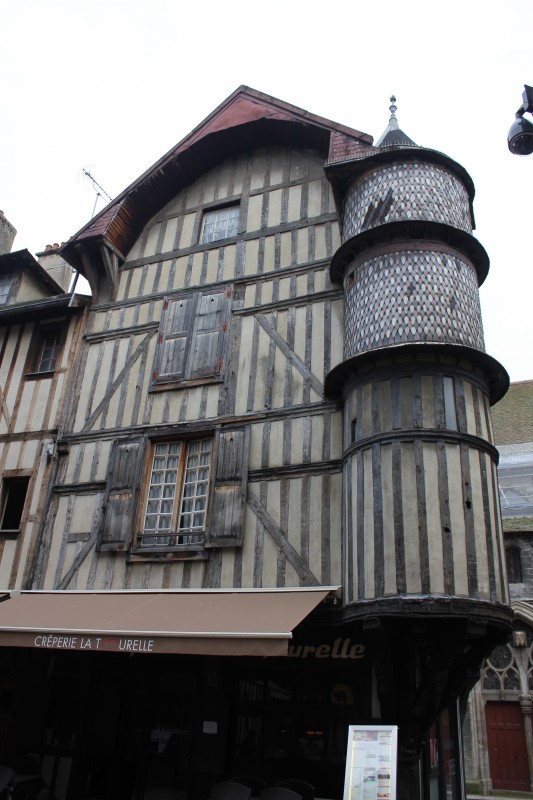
column 471, row 556
column 379, row 554
column 445, row 520
column 399, row 532
column 116, row 383
column 489, row 528
column 290, row 354
column 121, row 496
column 228, row 494
column 293, row 557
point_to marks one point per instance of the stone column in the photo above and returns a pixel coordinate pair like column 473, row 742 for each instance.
column 526, row 707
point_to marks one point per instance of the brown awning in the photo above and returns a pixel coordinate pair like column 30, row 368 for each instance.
column 256, row 622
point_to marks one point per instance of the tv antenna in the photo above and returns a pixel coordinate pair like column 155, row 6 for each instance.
column 100, row 191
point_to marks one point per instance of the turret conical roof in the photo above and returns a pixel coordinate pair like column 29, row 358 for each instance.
column 393, row 136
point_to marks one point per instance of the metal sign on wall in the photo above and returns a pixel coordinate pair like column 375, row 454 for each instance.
column 371, row 762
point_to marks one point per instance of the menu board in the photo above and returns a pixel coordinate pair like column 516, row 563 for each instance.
column 371, row 762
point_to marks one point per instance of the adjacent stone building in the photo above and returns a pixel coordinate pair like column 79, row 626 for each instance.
column 498, row 729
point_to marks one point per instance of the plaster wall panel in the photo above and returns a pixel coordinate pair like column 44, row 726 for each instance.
column 285, row 256
column 12, row 457
column 274, row 208
column 410, row 520
column 314, row 202
column 389, row 538
column 302, row 245
column 278, row 161
column 252, row 265
column 294, row 203
column 270, row 254
column 321, row 246
column 457, row 520
column 186, row 238
column 169, row 239
column 433, row 522
column 152, row 240
column 483, row 556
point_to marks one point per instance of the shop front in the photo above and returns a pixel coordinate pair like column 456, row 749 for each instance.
column 125, row 713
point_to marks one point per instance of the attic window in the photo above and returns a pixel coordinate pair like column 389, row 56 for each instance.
column 45, row 351
column 5, row 286
column 222, row 223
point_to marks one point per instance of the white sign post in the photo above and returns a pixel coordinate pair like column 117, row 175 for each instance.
column 371, row 762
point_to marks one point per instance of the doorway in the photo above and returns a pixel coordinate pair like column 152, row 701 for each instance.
column 508, row 760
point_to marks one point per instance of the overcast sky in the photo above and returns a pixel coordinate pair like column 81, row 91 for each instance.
column 110, row 85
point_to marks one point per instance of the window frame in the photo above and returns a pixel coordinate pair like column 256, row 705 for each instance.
column 9, row 479
column 188, row 337
column 212, row 212
column 125, row 495
column 193, row 540
column 513, row 563
column 43, row 331
column 6, row 280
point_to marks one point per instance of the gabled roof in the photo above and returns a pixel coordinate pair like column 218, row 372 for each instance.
column 246, row 120
column 23, row 260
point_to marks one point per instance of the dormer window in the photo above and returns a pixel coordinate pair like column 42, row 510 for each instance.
column 222, row 223
column 5, row 286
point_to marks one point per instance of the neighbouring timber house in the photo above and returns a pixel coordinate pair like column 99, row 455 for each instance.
column 266, row 507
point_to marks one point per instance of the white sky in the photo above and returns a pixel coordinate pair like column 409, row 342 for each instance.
column 111, row 85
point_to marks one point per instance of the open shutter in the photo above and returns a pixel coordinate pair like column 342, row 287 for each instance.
column 121, row 495
column 228, row 492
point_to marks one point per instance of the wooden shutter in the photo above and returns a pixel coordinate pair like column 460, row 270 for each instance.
column 191, row 337
column 174, row 339
column 121, row 496
column 228, row 493
column 207, row 338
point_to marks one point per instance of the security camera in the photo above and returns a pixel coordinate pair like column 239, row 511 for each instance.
column 520, row 136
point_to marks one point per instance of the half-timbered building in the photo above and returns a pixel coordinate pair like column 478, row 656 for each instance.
column 272, row 507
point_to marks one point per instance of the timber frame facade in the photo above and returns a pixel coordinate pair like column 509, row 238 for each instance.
column 243, row 414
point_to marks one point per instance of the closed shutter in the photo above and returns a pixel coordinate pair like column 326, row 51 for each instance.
column 174, row 337
column 207, row 335
column 121, row 495
column 192, row 336
column 225, row 518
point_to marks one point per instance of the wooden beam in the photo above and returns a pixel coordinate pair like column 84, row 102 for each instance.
column 279, row 536
column 295, row 360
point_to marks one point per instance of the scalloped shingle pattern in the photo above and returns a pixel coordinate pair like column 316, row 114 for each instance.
column 406, row 190
column 412, row 296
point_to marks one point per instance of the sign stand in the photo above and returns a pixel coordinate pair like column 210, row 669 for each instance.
column 371, row 762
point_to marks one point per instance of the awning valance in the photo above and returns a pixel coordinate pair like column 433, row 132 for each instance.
column 254, row 622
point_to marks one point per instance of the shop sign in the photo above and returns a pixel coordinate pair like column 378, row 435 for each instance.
column 117, row 644
column 371, row 762
column 341, row 648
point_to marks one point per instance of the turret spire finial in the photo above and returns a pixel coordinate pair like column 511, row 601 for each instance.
column 393, row 122
column 392, row 136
